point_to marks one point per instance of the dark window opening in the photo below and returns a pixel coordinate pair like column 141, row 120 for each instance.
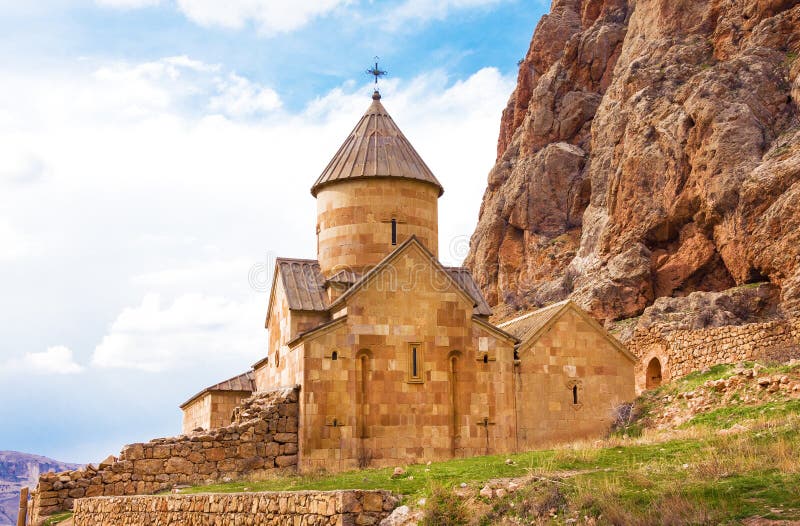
column 575, row 394
column 335, row 422
column 516, row 354
column 394, row 231
column 335, row 355
column 414, row 362
column 485, row 358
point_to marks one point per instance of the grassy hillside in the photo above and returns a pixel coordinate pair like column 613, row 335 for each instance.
column 722, row 447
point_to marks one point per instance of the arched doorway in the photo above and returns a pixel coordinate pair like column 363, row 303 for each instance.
column 653, row 379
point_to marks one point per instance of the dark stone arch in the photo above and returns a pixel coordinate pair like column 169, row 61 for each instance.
column 653, row 375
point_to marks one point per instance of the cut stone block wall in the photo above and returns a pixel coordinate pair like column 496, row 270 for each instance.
column 684, row 351
column 212, row 410
column 307, row 508
column 261, row 442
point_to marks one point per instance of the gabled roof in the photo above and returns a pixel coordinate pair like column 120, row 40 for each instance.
column 529, row 327
column 302, row 282
column 376, row 148
column 244, row 382
column 411, row 241
column 463, row 277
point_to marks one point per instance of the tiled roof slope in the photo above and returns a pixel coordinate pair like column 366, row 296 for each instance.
column 376, row 148
column 525, row 326
column 303, row 283
column 464, row 278
column 244, row 382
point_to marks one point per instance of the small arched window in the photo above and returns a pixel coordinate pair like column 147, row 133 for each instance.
column 335, row 355
column 575, row 394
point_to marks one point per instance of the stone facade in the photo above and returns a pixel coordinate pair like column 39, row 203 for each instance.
column 367, row 407
column 569, row 379
column 666, row 355
column 262, row 442
column 306, row 508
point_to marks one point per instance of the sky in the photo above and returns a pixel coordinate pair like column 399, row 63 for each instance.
column 157, row 155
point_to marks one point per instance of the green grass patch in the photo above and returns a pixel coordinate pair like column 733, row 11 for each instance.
column 57, row 518
column 698, row 378
column 725, row 417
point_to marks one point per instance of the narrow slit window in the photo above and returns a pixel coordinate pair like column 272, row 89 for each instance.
column 394, row 231
column 575, row 394
column 414, row 363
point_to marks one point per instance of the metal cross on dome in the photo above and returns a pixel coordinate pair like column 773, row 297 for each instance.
column 376, row 72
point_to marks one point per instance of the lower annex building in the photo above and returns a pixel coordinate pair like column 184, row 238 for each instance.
column 394, row 353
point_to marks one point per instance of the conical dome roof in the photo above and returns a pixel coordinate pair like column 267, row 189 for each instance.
column 376, row 148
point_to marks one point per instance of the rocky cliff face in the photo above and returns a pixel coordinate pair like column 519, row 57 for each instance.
column 651, row 149
column 18, row 470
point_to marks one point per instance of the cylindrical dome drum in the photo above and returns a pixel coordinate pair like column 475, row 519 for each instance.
column 360, row 221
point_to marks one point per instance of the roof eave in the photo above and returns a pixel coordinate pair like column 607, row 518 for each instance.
column 320, row 185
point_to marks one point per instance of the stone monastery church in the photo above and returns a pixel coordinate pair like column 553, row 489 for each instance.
column 394, row 353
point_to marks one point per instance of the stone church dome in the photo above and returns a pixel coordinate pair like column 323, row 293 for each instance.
column 376, row 148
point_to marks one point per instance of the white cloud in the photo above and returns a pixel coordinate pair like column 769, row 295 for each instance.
column 238, row 97
column 55, row 360
column 164, row 87
column 20, row 166
column 14, row 244
column 270, row 16
column 193, row 329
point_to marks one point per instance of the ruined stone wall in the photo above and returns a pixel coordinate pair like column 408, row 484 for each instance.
column 261, row 442
column 309, row 508
column 684, row 351
column 212, row 410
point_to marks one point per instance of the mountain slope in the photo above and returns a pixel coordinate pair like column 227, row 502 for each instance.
column 650, row 149
column 18, row 470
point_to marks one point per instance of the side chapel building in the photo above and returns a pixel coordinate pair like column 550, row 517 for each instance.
column 394, row 353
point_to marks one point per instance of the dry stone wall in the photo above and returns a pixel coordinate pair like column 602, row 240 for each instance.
column 306, row 508
column 262, row 441
column 680, row 352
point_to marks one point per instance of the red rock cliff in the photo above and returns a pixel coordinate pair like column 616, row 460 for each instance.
column 651, row 148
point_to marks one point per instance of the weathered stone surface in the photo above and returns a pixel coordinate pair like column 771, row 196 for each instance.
column 685, row 117
column 668, row 351
column 274, row 508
